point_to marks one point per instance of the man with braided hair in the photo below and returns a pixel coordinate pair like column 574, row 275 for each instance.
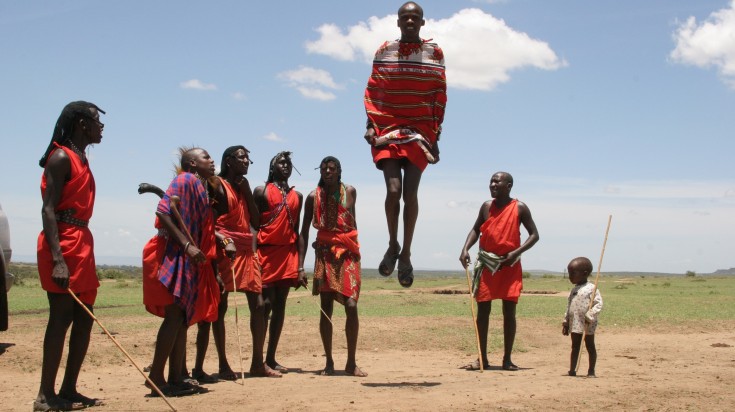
column 337, row 269
column 66, row 252
column 280, row 213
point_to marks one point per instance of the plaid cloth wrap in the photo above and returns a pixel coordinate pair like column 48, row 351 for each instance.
column 177, row 273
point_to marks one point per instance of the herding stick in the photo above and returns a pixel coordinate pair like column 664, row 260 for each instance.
column 474, row 319
column 150, row 382
column 237, row 325
column 594, row 292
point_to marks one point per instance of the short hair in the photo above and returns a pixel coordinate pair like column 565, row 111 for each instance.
column 223, row 167
column 185, row 156
column 583, row 262
column 420, row 9
column 334, row 160
column 509, row 177
column 65, row 124
column 285, row 155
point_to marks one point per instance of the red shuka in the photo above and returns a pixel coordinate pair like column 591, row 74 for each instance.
column 277, row 240
column 77, row 244
column 235, row 224
column 501, row 234
column 407, row 89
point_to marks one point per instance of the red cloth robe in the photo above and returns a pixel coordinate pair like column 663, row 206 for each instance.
column 77, row 244
column 406, row 91
column 278, row 250
column 235, row 224
column 501, row 234
column 155, row 296
column 337, row 251
column 191, row 286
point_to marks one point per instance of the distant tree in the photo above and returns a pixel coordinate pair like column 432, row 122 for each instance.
column 690, row 274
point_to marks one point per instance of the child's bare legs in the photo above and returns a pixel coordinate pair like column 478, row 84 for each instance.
column 589, row 343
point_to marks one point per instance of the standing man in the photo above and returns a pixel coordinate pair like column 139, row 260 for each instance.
column 499, row 275
column 404, row 101
column 66, row 252
column 337, row 267
column 182, row 284
column 280, row 213
column 235, row 229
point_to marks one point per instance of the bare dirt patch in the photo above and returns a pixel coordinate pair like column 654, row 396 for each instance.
column 410, row 369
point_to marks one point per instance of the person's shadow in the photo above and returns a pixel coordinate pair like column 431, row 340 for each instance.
column 5, row 346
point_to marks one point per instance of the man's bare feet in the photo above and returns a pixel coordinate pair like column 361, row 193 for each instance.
column 56, row 403
column 264, row 371
column 355, row 371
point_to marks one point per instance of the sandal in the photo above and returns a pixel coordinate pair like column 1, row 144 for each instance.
column 56, row 404
column 228, row 375
column 202, row 377
column 405, row 274
column 509, row 366
column 173, row 391
column 475, row 366
column 79, row 398
column 388, row 264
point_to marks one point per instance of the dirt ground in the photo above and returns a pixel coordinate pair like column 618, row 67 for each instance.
column 667, row 368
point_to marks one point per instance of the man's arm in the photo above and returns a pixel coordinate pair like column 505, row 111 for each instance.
column 57, row 171
column 527, row 221
column 247, row 194
column 464, row 257
column 351, row 201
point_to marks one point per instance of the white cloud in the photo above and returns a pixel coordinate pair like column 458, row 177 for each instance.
column 196, row 84
column 316, row 94
column 709, row 43
column 238, row 96
column 273, row 137
column 478, row 65
column 311, row 82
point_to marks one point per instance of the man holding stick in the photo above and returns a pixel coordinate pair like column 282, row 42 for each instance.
column 499, row 274
column 337, row 269
column 66, row 252
column 240, row 271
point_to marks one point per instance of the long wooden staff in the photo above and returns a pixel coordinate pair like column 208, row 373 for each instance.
column 237, row 325
column 474, row 320
column 594, row 292
column 318, row 304
column 150, row 382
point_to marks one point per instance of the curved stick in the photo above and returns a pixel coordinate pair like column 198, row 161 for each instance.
column 474, row 320
column 150, row 382
column 594, row 291
column 237, row 325
column 150, row 188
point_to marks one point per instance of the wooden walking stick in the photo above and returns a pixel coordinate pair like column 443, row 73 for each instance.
column 594, row 291
column 237, row 325
column 474, row 320
column 147, row 379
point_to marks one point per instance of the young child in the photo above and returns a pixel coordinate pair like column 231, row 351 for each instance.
column 578, row 316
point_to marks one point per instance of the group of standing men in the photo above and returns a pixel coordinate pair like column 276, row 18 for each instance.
column 216, row 235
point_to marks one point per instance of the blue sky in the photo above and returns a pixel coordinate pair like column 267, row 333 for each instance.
column 622, row 108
